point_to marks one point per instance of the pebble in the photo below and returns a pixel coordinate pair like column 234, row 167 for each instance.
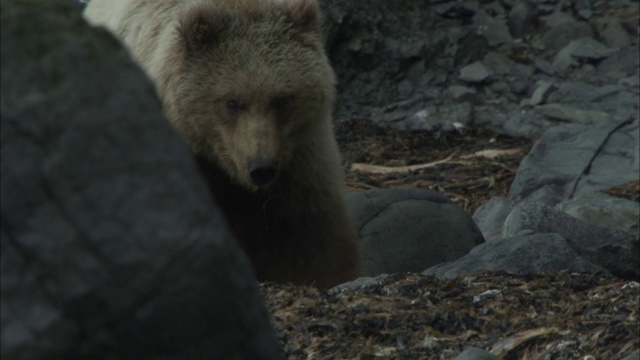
column 542, row 91
column 461, row 93
column 474, row 73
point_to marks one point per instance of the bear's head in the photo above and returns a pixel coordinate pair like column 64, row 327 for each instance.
column 255, row 89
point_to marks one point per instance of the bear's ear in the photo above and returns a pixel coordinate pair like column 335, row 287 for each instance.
column 201, row 27
column 304, row 14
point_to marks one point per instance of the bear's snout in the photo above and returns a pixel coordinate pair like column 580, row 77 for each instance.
column 263, row 171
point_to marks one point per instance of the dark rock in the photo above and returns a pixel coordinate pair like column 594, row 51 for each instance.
column 590, row 49
column 494, row 8
column 583, row 9
column 410, row 229
column 615, row 250
column 467, row 48
column 557, row 18
column 544, row 66
column 493, row 30
column 523, row 253
column 624, row 60
column 474, row 353
column 444, row 9
column 512, row 119
column 470, row 7
column 613, row 34
column 522, row 17
column 563, row 32
column 553, row 169
column 461, row 93
column 111, row 246
column 501, row 65
column 582, row 49
column 583, row 93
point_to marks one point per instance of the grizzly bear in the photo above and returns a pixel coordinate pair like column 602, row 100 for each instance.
column 249, row 87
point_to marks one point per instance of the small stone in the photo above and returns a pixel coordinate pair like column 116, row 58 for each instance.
column 493, row 30
column 462, row 93
column 563, row 59
column 474, row 353
column 556, row 19
column 443, row 9
column 494, row 8
column 613, row 34
column 544, row 66
column 474, row 73
column 590, row 49
column 560, row 35
column 584, row 49
column 521, row 18
column 470, row 6
column 541, row 92
column 568, row 113
column 583, row 9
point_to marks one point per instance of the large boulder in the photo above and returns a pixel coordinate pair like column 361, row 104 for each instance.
column 410, row 229
column 111, row 246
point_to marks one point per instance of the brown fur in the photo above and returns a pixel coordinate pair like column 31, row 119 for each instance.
column 244, row 80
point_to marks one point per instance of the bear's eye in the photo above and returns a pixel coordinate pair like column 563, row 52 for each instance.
column 233, row 105
column 281, row 103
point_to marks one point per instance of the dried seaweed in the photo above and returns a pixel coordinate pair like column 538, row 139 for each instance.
column 409, row 316
column 469, row 166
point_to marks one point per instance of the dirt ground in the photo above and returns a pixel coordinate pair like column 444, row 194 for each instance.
column 408, row 316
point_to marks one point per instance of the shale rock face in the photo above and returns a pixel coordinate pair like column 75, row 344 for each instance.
column 111, row 246
column 528, row 64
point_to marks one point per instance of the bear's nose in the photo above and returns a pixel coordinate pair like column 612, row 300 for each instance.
column 262, row 171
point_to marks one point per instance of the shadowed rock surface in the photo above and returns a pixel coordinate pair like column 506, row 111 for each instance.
column 111, row 246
